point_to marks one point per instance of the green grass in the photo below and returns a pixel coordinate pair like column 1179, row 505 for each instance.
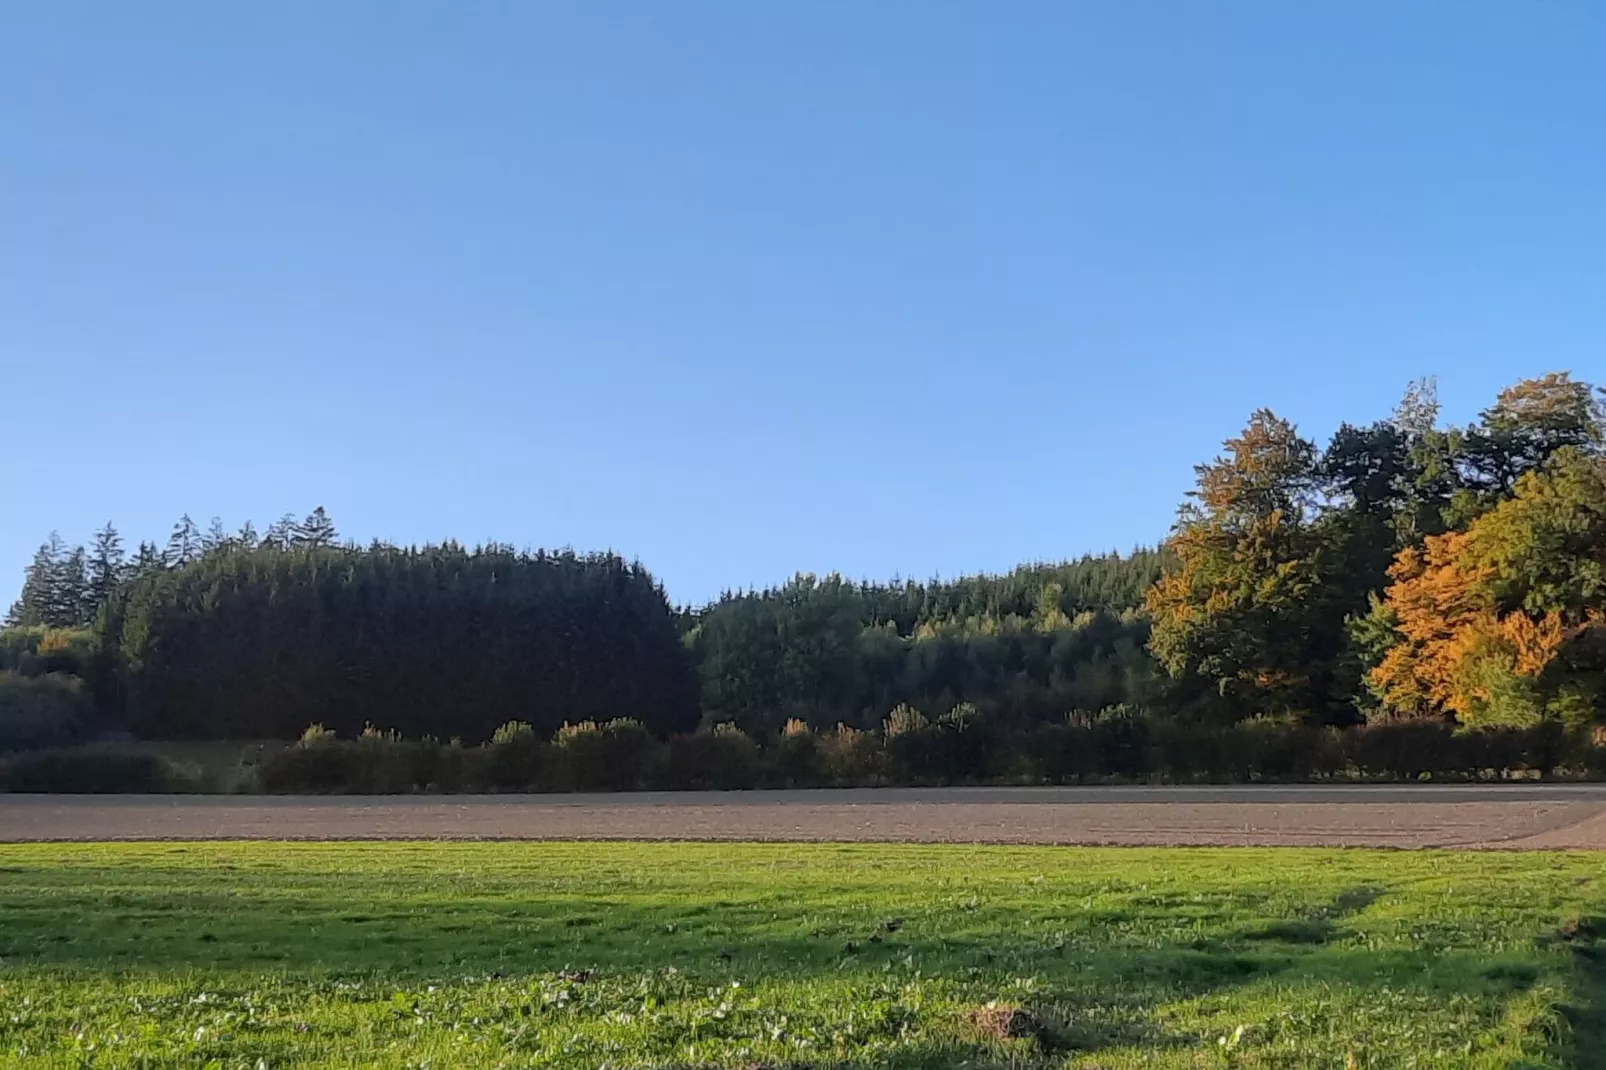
column 630, row 955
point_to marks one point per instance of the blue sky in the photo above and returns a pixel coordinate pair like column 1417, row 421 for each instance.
column 750, row 288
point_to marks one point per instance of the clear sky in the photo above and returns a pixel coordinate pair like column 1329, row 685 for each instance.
column 746, row 288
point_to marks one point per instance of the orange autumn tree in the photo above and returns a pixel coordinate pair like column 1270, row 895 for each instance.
column 1502, row 624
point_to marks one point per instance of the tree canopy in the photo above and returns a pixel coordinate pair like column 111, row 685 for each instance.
column 1407, row 569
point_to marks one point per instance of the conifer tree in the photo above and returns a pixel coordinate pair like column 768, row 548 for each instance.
column 69, row 596
column 107, row 568
column 148, row 559
column 184, row 545
column 215, row 538
column 315, row 532
column 280, row 533
column 36, row 604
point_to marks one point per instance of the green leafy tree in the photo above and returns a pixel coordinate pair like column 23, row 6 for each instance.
column 1529, row 423
column 1243, row 609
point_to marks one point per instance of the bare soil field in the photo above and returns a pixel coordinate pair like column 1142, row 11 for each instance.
column 1495, row 816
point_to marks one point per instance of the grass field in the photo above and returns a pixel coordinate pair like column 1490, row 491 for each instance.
column 633, row 955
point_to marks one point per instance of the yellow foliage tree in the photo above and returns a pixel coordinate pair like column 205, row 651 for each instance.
column 1501, row 624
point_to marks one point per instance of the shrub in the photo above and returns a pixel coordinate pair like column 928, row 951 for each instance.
column 1120, row 737
column 904, row 720
column 911, row 746
column 513, row 732
column 1594, row 760
column 850, row 756
column 1189, row 751
column 437, row 766
column 1257, row 749
column 376, row 763
column 966, row 745
column 610, row 757
column 93, row 772
column 317, row 763
column 797, row 758
column 513, row 759
column 1277, row 750
column 36, row 650
column 1402, row 749
column 39, row 711
column 383, row 764
column 1053, row 753
column 723, row 758
column 1540, row 748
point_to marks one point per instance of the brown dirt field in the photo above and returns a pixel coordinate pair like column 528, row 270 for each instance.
column 1500, row 816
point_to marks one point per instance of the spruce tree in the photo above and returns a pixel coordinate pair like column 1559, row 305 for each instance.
column 184, row 545
column 215, row 538
column 147, row 560
column 315, row 532
column 106, row 568
column 34, row 606
column 69, row 595
column 280, row 533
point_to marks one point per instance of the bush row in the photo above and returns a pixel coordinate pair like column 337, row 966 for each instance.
column 96, row 772
column 960, row 748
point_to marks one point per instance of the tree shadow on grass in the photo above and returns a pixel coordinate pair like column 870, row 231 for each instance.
column 1320, row 926
column 1587, row 1014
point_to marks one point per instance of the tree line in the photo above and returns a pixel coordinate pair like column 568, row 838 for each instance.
column 236, row 635
column 65, row 586
column 1026, row 646
column 1405, row 571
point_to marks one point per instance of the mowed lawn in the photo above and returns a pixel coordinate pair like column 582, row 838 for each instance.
column 449, row 955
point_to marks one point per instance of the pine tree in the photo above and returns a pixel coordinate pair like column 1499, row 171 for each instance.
column 35, row 605
column 315, row 532
column 106, row 568
column 280, row 533
column 215, row 538
column 147, row 559
column 70, row 591
column 184, row 545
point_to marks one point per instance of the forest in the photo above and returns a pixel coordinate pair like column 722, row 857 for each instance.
column 1448, row 579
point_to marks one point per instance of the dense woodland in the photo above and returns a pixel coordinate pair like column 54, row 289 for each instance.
column 1407, row 571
